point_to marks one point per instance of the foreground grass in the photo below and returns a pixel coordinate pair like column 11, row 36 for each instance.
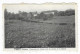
column 21, row 34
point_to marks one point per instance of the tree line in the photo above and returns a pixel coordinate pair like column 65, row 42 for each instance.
column 68, row 12
column 30, row 16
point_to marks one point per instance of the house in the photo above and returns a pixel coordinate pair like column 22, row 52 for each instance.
column 48, row 12
column 34, row 13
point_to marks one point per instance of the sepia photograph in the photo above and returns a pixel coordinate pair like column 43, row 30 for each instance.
column 39, row 25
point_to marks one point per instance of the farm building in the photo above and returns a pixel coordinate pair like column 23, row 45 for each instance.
column 34, row 13
column 48, row 12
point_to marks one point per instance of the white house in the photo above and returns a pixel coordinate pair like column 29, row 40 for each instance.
column 48, row 12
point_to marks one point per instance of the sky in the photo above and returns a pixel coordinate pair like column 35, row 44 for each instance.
column 37, row 7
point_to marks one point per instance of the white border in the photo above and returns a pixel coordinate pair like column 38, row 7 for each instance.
column 68, row 49
column 37, row 52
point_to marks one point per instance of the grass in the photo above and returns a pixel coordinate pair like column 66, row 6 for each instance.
column 22, row 34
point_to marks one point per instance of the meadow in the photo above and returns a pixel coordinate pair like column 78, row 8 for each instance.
column 56, row 33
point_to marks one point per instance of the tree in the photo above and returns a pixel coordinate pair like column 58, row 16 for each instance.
column 70, row 12
column 5, row 14
column 42, row 16
column 31, row 17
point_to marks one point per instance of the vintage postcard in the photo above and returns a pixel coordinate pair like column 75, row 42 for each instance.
column 40, row 26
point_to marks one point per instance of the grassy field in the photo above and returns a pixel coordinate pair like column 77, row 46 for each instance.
column 22, row 34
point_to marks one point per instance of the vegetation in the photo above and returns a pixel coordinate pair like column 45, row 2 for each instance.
column 21, row 31
column 42, row 15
